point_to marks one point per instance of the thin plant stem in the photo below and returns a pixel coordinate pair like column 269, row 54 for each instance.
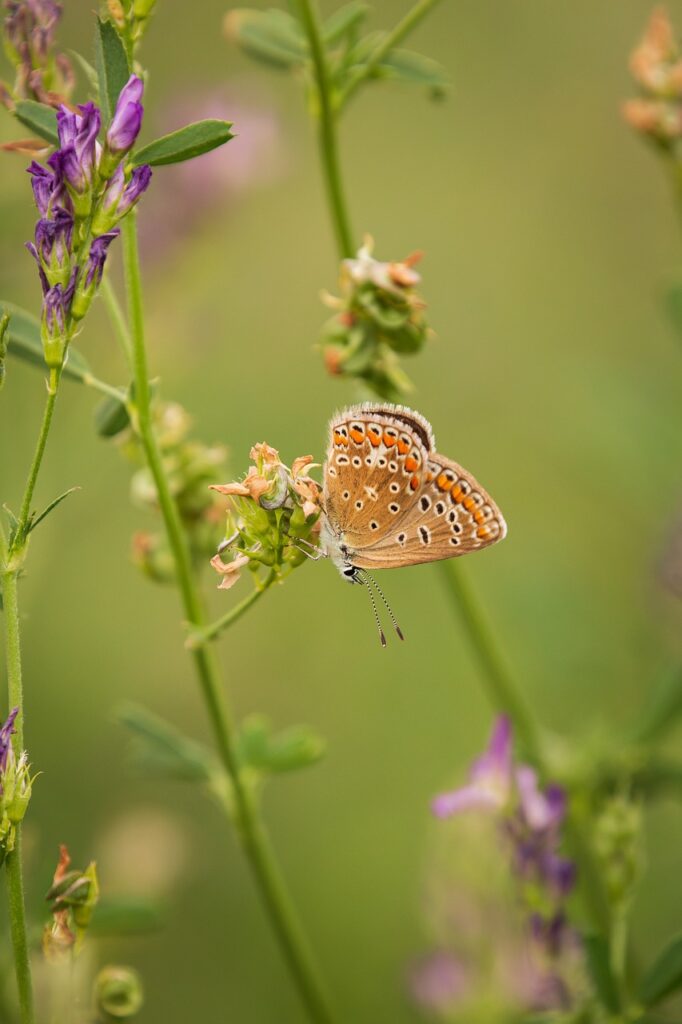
column 499, row 682
column 388, row 43
column 13, row 864
column 210, row 632
column 117, row 317
column 249, row 823
column 498, row 678
column 327, row 130
column 25, row 511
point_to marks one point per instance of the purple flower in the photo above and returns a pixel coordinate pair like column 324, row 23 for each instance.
column 127, row 120
column 120, row 196
column 52, row 247
column 6, row 731
column 540, row 810
column 438, row 981
column 97, row 258
column 76, row 159
column 490, row 778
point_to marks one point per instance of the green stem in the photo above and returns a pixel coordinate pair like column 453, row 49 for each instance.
column 500, row 684
column 327, row 130
column 52, row 389
column 13, row 865
column 390, row 41
column 210, row 632
column 249, row 824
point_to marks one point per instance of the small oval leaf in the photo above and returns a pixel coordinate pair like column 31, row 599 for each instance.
column 272, row 37
column 185, row 143
column 111, row 416
column 112, row 65
column 664, row 977
column 40, row 118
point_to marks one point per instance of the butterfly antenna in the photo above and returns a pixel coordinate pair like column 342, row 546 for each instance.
column 367, row 587
column 383, row 598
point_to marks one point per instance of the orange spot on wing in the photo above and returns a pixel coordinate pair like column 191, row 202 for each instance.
column 488, row 532
column 479, row 515
column 374, row 439
column 411, row 464
column 443, row 482
column 457, row 493
column 469, row 503
column 403, row 446
column 357, row 435
column 389, row 441
column 414, row 483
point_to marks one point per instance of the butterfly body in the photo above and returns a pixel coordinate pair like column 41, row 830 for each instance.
column 390, row 499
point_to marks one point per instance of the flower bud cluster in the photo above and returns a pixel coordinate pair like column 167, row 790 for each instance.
column 618, row 844
column 273, row 518
column 131, row 18
column 81, row 196
column 189, row 466
column 29, row 38
column 656, row 66
column 378, row 318
column 73, row 897
column 15, row 786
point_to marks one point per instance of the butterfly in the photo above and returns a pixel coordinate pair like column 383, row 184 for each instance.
column 390, row 499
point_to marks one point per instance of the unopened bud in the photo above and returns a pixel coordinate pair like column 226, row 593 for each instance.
column 118, row 993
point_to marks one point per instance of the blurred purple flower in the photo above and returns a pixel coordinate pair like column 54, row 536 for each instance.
column 6, row 731
column 490, row 778
column 438, row 981
column 540, row 810
column 189, row 193
column 127, row 120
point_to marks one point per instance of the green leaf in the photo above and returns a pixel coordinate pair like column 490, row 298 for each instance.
column 343, row 21
column 113, row 70
column 286, row 751
column 664, row 977
column 24, row 338
column 53, row 504
column 272, row 37
column 185, row 143
column 662, row 709
column 415, row 68
column 126, row 916
column 111, row 416
column 162, row 747
column 599, row 965
column 40, row 118
column 89, row 72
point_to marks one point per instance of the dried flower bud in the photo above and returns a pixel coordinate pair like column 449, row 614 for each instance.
column 656, row 66
column 73, row 895
column 118, row 993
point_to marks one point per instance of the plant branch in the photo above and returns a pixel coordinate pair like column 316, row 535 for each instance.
column 13, row 864
column 388, row 43
column 25, row 512
column 210, row 632
column 327, row 129
column 250, row 827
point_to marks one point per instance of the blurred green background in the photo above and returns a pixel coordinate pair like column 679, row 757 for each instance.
column 548, row 230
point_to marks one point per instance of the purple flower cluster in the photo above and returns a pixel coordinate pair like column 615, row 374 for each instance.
column 531, row 819
column 81, row 196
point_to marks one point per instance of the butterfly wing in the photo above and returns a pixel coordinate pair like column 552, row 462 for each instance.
column 375, row 467
column 450, row 515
